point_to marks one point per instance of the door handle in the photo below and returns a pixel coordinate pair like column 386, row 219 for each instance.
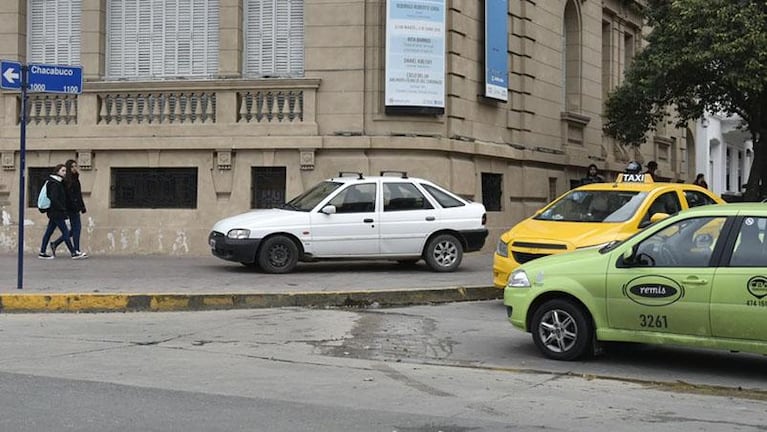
column 694, row 281
column 367, row 220
column 430, row 218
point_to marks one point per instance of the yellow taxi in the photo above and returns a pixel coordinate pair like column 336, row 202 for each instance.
column 592, row 216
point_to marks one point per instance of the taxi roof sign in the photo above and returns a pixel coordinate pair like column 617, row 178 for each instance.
column 634, row 178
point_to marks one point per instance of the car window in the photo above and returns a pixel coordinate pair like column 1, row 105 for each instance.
column 357, row 198
column 666, row 203
column 687, row 243
column 404, row 196
column 594, row 206
column 750, row 246
column 696, row 198
column 444, row 198
column 309, row 199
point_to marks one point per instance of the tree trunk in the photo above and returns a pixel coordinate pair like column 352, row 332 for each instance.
column 756, row 189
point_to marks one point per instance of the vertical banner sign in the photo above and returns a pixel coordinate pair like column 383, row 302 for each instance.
column 496, row 50
column 415, row 56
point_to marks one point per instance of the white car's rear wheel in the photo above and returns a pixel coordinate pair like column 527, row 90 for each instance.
column 444, row 253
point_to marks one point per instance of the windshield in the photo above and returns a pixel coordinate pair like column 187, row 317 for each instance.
column 309, row 199
column 594, row 206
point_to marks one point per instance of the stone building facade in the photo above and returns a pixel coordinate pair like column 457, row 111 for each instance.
column 164, row 155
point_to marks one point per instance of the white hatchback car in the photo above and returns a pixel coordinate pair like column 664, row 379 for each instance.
column 356, row 217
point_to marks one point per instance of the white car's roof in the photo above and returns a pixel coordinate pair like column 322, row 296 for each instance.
column 352, row 177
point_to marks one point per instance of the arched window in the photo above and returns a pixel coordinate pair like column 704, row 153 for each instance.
column 571, row 58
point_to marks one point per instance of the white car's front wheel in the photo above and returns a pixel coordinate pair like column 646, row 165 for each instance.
column 444, row 253
column 278, row 254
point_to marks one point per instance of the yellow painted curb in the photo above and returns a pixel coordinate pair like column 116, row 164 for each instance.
column 16, row 303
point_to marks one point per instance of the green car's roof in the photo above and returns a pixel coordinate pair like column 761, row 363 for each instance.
column 753, row 209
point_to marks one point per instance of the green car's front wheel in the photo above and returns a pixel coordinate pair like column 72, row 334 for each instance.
column 562, row 330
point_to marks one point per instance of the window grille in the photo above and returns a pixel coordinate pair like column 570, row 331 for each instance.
column 492, row 191
column 268, row 187
column 35, row 179
column 154, row 188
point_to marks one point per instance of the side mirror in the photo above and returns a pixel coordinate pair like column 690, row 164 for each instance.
column 328, row 210
column 628, row 256
column 658, row 217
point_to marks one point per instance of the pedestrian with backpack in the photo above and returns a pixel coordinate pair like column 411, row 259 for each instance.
column 56, row 211
column 75, row 206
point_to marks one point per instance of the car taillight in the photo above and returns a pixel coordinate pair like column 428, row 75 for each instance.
column 484, row 218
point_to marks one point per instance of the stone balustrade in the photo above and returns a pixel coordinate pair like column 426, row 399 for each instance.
column 281, row 107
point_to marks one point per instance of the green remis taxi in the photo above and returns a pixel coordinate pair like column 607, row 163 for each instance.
column 697, row 279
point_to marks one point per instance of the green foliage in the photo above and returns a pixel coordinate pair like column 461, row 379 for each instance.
column 702, row 55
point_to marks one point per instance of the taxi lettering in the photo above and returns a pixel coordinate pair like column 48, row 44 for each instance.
column 633, row 178
column 653, row 290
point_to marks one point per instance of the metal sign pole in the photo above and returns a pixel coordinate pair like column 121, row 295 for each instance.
column 22, row 174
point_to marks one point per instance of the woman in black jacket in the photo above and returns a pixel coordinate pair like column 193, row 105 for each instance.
column 57, row 213
column 75, row 206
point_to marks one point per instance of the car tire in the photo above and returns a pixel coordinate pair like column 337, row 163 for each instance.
column 443, row 253
column 562, row 330
column 278, row 254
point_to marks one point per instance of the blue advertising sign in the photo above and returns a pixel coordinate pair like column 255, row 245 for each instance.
column 496, row 50
column 415, row 53
column 10, row 73
column 45, row 78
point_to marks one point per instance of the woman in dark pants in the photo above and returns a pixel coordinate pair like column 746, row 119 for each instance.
column 57, row 213
column 75, row 206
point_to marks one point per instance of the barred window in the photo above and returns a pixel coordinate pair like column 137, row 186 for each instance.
column 274, row 38
column 160, row 39
column 35, row 179
column 268, row 187
column 54, row 31
column 492, row 191
column 154, row 188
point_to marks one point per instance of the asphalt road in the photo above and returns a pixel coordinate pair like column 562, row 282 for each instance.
column 454, row 368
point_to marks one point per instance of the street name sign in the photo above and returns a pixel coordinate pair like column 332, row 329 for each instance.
column 46, row 78
column 43, row 78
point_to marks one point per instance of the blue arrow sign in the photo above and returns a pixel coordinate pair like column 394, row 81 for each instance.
column 10, row 75
column 46, row 78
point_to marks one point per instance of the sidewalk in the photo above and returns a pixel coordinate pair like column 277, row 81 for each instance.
column 167, row 283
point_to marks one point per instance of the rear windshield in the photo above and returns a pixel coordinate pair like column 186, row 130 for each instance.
column 594, row 206
column 444, row 198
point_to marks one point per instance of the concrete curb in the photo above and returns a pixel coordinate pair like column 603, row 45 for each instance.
column 117, row 302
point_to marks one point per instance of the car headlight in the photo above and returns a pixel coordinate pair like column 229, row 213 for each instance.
column 502, row 249
column 238, row 233
column 518, row 279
